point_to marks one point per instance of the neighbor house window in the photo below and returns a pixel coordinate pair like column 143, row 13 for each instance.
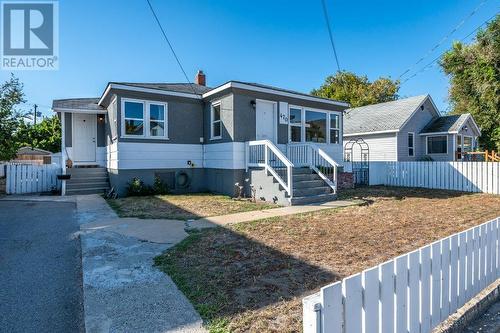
column 411, row 144
column 134, row 118
column 295, row 119
column 216, row 122
column 437, row 144
column 334, row 128
column 315, row 126
column 145, row 119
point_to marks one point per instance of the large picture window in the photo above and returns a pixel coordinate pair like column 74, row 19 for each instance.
column 310, row 125
column 144, row 119
column 437, row 144
column 315, row 126
column 216, row 123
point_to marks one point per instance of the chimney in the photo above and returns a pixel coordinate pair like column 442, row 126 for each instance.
column 200, row 78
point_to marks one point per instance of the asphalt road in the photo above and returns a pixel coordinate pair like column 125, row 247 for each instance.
column 40, row 268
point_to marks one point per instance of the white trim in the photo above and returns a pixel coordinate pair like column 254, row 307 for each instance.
column 240, row 85
column 145, row 119
column 145, row 90
column 275, row 118
column 370, row 133
column 427, row 145
column 438, row 133
column 469, row 116
column 413, row 141
column 62, row 110
column 212, row 105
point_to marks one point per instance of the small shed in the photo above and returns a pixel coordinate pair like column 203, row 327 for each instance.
column 29, row 155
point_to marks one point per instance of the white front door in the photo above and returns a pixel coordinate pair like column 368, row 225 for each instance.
column 84, row 137
column 265, row 120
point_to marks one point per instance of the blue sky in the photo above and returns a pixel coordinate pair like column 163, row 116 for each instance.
column 281, row 43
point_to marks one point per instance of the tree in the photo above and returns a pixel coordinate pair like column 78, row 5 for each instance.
column 11, row 94
column 474, row 72
column 358, row 90
column 44, row 135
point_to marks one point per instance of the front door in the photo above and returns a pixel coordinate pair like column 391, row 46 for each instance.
column 84, row 137
column 265, row 120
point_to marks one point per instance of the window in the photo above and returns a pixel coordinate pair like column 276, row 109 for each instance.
column 411, row 144
column 467, row 146
column 134, row 118
column 334, row 128
column 315, row 126
column 216, row 123
column 144, row 119
column 437, row 144
column 295, row 120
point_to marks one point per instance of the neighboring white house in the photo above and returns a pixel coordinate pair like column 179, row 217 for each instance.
column 409, row 129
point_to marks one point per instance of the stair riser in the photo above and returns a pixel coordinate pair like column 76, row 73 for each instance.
column 86, row 186
column 90, row 191
column 313, row 199
column 301, row 171
column 308, row 184
column 312, row 191
column 299, row 178
column 84, row 180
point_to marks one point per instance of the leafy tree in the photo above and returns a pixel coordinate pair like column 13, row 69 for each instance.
column 44, row 135
column 358, row 90
column 474, row 72
column 11, row 94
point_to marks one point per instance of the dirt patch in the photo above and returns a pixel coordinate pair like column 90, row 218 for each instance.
column 251, row 277
column 183, row 207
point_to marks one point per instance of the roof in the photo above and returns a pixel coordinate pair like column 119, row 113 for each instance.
column 77, row 104
column 446, row 124
column 189, row 88
column 32, row 151
column 382, row 117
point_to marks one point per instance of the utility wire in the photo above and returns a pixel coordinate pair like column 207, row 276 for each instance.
column 443, row 39
column 170, row 45
column 325, row 12
column 426, row 67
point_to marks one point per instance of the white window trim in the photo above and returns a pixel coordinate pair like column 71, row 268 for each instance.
column 329, row 126
column 146, row 119
column 303, row 125
column 427, row 145
column 212, row 137
column 413, row 147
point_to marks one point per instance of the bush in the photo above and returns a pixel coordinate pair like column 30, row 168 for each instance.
column 136, row 187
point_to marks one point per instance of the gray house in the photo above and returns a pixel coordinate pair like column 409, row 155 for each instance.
column 197, row 138
column 410, row 129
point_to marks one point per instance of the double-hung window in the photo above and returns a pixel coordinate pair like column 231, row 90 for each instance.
column 144, row 119
column 215, row 121
column 334, row 128
column 295, row 119
column 411, row 144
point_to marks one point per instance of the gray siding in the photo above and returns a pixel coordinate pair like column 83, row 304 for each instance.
column 471, row 129
column 227, row 117
column 416, row 123
column 185, row 117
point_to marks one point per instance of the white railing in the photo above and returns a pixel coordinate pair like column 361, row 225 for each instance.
column 263, row 153
column 411, row 293
column 309, row 155
column 458, row 176
column 24, row 178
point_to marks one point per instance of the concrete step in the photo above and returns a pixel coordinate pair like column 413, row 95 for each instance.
column 301, row 171
column 87, row 191
column 90, row 179
column 307, row 200
column 306, row 192
column 82, row 186
column 308, row 184
column 305, row 177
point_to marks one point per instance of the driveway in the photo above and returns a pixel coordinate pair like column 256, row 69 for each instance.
column 40, row 267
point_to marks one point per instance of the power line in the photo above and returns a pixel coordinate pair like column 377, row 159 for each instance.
column 426, row 67
column 443, row 39
column 170, row 45
column 325, row 12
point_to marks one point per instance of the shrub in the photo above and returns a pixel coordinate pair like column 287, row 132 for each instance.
column 136, row 187
column 159, row 187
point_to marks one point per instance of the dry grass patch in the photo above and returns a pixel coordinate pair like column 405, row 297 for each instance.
column 251, row 277
column 183, row 207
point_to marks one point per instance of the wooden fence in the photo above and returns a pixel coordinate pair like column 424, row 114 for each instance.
column 24, row 178
column 411, row 293
column 459, row 176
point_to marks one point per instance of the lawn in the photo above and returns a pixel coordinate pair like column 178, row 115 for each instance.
column 182, row 207
column 251, row 277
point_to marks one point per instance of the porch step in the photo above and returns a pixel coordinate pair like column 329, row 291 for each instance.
column 302, row 171
column 308, row 183
column 91, row 179
column 307, row 200
column 87, row 191
column 314, row 191
column 87, row 181
column 305, row 177
column 79, row 186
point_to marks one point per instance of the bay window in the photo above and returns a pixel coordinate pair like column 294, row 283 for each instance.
column 437, row 144
column 144, row 119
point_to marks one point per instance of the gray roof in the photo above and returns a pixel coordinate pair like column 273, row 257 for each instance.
column 381, row 117
column 446, row 124
column 189, row 88
column 32, row 151
column 77, row 104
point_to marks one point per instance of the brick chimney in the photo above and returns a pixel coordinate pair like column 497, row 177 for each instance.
column 200, row 78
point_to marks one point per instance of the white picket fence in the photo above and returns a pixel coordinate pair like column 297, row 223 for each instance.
column 25, row 178
column 459, row 176
column 413, row 292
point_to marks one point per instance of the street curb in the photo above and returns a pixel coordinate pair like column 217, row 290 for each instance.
column 458, row 322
